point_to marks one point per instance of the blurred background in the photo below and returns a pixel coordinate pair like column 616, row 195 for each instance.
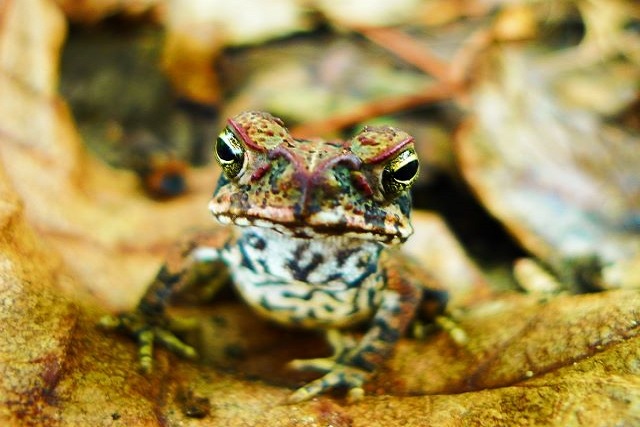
column 525, row 112
column 526, row 115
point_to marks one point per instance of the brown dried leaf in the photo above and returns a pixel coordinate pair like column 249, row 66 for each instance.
column 576, row 349
column 198, row 30
column 94, row 216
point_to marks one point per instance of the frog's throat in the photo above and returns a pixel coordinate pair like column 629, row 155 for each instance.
column 310, row 283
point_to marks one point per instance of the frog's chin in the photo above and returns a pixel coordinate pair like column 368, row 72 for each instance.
column 303, row 231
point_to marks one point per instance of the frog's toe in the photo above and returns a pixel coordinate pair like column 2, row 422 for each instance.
column 110, row 322
column 339, row 376
column 147, row 337
column 322, row 364
column 450, row 326
column 341, row 344
column 130, row 322
column 147, row 334
column 145, row 350
column 173, row 343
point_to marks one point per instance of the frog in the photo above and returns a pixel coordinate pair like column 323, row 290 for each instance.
column 312, row 238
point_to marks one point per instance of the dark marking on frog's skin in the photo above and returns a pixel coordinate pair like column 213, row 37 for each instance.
column 255, row 241
column 328, row 308
column 371, row 296
column 362, row 363
column 375, row 216
column 245, row 259
column 387, row 333
column 298, row 270
column 404, row 202
column 362, row 262
column 301, row 272
column 310, row 294
column 368, row 269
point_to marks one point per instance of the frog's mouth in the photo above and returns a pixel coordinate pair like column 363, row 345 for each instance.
column 391, row 235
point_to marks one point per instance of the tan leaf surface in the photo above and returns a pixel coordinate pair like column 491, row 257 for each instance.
column 77, row 236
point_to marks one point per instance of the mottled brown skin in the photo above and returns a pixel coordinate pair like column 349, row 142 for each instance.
column 315, row 247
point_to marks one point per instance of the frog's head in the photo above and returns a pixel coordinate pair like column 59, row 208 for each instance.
column 307, row 188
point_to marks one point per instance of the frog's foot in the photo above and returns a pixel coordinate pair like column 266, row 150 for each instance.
column 448, row 324
column 148, row 333
column 340, row 343
column 337, row 373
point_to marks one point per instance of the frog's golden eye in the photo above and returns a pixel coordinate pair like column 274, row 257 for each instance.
column 229, row 153
column 400, row 173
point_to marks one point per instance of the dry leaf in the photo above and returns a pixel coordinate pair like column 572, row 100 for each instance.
column 436, row 248
column 197, row 30
column 76, row 203
column 91, row 11
column 605, row 24
column 528, row 361
column 563, row 183
column 363, row 13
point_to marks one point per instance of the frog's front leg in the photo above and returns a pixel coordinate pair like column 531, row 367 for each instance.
column 149, row 323
column 352, row 364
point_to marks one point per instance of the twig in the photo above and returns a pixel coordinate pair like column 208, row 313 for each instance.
column 437, row 92
column 409, row 50
column 449, row 85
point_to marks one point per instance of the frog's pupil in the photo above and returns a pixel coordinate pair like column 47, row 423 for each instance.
column 224, row 150
column 406, row 172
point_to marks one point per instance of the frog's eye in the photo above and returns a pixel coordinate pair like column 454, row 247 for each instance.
column 400, row 173
column 229, row 153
